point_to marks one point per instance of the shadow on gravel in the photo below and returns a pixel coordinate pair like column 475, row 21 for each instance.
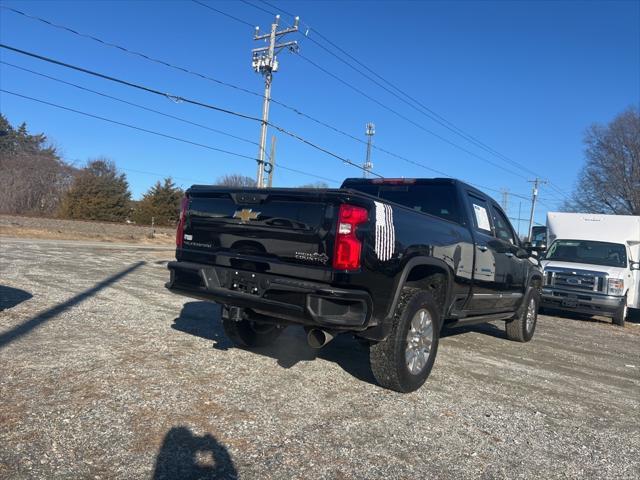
column 47, row 315
column 202, row 319
column 185, row 456
column 484, row 328
column 579, row 317
column 10, row 297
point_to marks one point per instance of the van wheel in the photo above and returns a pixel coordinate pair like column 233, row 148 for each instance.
column 404, row 360
column 247, row 333
column 521, row 328
column 621, row 314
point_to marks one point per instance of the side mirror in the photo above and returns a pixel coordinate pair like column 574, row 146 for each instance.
column 523, row 253
column 529, row 247
column 634, row 265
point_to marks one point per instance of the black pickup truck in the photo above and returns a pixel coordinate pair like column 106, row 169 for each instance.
column 387, row 260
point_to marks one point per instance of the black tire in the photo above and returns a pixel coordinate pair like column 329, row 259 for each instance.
column 518, row 329
column 247, row 333
column 621, row 314
column 387, row 358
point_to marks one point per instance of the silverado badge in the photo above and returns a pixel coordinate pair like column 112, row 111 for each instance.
column 246, row 214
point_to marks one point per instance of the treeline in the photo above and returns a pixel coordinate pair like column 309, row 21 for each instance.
column 35, row 180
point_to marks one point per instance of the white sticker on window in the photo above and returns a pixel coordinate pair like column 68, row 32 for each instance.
column 482, row 219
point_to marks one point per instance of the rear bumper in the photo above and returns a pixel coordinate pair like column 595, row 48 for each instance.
column 580, row 302
column 298, row 301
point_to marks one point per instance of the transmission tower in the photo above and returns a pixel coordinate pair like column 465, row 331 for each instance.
column 368, row 166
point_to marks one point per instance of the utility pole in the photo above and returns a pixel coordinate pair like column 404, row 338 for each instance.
column 519, row 216
column 534, row 195
column 272, row 161
column 368, row 166
column 265, row 62
column 505, row 199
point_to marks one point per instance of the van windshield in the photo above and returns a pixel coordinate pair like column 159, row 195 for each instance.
column 588, row 251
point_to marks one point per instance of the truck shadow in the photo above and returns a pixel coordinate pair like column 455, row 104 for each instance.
column 485, row 328
column 578, row 317
column 186, row 456
column 202, row 319
column 10, row 297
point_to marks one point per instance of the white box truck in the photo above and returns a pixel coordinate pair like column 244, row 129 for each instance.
column 591, row 264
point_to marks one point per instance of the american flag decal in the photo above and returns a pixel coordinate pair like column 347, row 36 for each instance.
column 385, row 232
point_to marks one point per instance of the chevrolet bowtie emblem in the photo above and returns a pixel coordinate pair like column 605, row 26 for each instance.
column 246, row 214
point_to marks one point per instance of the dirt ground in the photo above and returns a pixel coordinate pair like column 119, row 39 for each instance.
column 57, row 229
column 104, row 374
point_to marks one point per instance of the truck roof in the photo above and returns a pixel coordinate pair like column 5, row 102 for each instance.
column 350, row 182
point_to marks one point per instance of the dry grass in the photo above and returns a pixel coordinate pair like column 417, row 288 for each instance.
column 41, row 233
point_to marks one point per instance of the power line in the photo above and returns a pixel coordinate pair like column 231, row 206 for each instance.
column 395, row 112
column 174, row 98
column 180, row 99
column 423, row 108
column 427, row 111
column 407, row 119
column 176, row 67
column 102, row 94
column 222, row 13
column 133, row 52
column 200, row 75
column 152, row 132
column 127, row 125
column 439, row 172
column 262, row 9
column 207, row 77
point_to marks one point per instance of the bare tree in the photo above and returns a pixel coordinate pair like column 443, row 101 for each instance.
column 236, row 180
column 33, row 178
column 610, row 179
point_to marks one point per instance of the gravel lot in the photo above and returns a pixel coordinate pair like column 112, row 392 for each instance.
column 104, row 374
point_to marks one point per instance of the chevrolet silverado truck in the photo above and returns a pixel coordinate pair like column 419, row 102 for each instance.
column 387, row 260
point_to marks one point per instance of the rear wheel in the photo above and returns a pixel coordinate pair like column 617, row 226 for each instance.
column 248, row 333
column 404, row 360
column 621, row 314
column 521, row 328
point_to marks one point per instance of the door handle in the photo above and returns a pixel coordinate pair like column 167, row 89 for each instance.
column 483, row 248
column 509, row 254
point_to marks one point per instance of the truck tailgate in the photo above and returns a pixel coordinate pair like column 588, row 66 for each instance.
column 260, row 228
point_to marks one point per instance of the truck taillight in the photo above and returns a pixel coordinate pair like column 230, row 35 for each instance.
column 348, row 247
column 183, row 215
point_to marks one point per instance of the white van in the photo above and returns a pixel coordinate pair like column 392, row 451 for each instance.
column 591, row 264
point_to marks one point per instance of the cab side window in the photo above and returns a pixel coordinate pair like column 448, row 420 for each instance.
column 502, row 226
column 480, row 214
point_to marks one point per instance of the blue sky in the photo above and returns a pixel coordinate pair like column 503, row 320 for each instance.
column 525, row 78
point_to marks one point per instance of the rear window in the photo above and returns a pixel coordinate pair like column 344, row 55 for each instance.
column 435, row 199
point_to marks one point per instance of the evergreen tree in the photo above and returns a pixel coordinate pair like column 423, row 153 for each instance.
column 98, row 192
column 161, row 202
